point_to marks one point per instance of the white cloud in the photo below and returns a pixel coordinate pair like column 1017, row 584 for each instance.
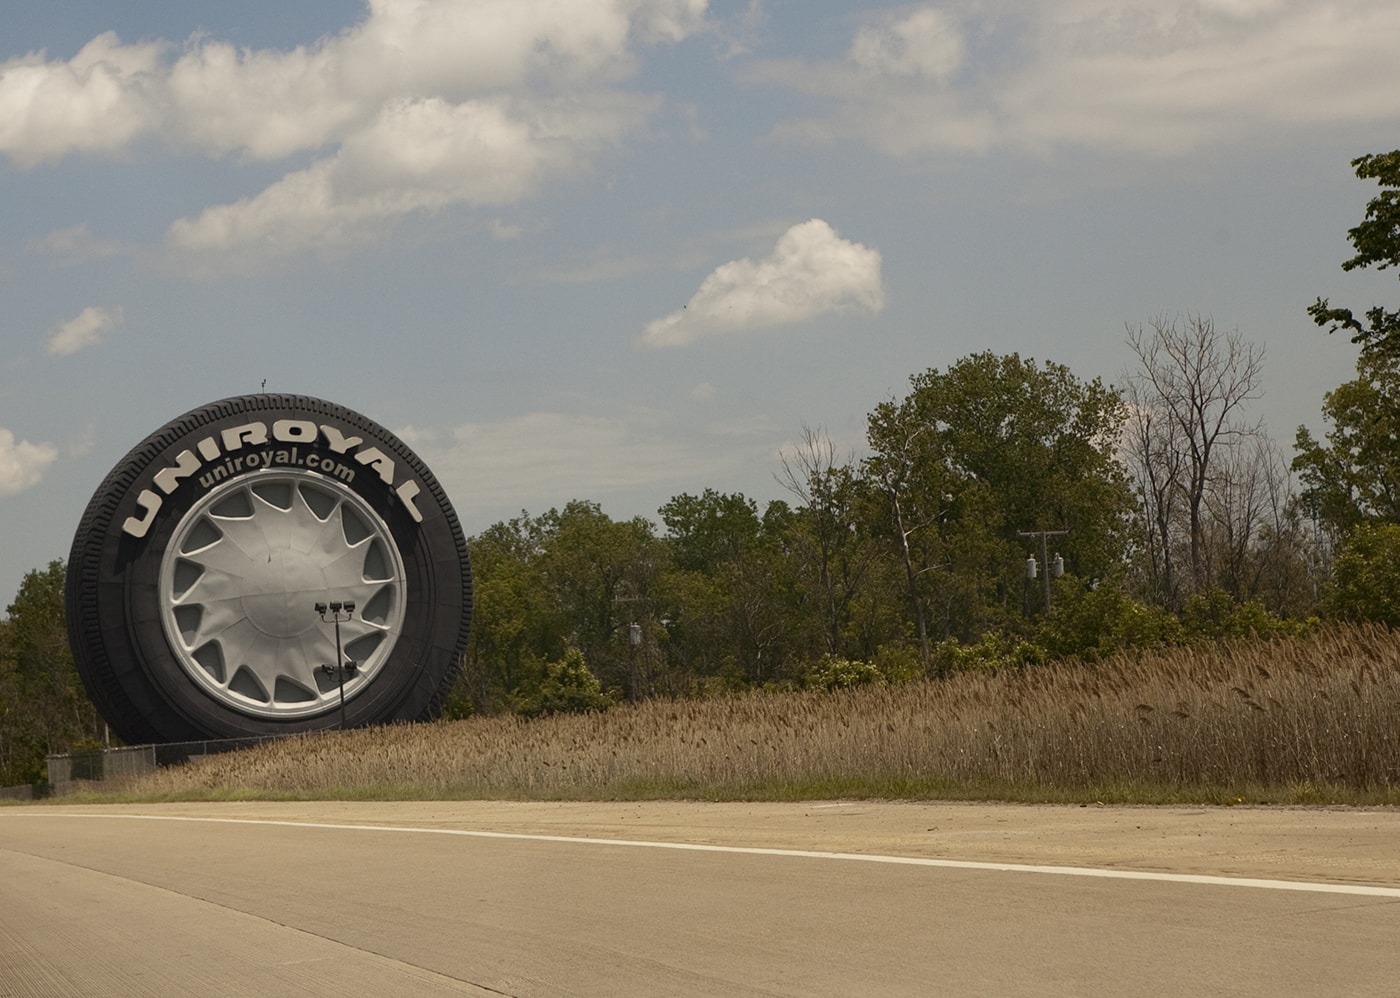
column 927, row 43
column 96, row 102
column 22, row 464
column 268, row 104
column 1164, row 79
column 87, row 329
column 811, row 271
column 422, row 104
column 419, row 155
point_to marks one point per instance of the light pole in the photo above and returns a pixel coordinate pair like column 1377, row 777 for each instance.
column 341, row 667
column 1055, row 568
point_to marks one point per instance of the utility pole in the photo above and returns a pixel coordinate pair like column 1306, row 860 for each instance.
column 1057, row 568
column 634, row 638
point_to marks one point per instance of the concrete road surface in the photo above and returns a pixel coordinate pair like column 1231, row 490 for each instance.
column 695, row 899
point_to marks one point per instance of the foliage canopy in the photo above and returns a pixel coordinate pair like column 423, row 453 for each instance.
column 1377, row 243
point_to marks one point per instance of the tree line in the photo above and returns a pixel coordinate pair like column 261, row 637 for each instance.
column 1174, row 517
column 1005, row 512
column 1159, row 512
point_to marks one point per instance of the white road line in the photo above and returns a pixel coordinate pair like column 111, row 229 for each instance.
column 948, row 864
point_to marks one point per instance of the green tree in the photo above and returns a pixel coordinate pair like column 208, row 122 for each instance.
column 514, row 628
column 974, row 455
column 1377, row 243
column 732, row 593
column 1353, row 475
column 600, row 576
column 571, row 578
column 710, row 530
column 1350, row 478
column 830, row 540
column 1366, row 576
column 43, row 707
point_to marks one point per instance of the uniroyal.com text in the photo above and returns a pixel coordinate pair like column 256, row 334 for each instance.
column 292, row 458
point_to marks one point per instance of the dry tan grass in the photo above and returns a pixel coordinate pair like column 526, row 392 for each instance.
column 1320, row 713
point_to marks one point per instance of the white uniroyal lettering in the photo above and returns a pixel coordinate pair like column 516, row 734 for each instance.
column 216, row 452
column 249, row 433
column 338, row 441
column 380, row 462
column 168, row 479
column 294, row 431
column 406, row 492
column 148, row 501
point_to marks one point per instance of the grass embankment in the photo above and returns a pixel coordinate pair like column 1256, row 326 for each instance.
column 1306, row 721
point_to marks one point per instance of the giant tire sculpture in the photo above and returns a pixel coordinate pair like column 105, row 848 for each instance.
column 197, row 566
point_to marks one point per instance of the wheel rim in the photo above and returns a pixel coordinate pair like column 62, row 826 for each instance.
column 242, row 574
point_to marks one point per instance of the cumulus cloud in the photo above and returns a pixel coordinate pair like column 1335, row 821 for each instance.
column 417, row 155
column 1164, row 79
column 22, row 464
column 267, row 104
column 96, row 102
column 811, row 271
column 87, row 329
column 270, row 104
column 422, row 104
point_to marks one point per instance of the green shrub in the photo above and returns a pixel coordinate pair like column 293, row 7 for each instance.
column 568, row 687
column 1214, row 615
column 834, row 673
column 1092, row 624
column 898, row 663
column 992, row 652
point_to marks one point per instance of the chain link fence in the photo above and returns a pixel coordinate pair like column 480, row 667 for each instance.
column 113, row 767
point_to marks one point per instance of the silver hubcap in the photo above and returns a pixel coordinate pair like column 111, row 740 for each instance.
column 241, row 577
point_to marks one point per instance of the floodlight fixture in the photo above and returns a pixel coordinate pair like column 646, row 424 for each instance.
column 341, row 668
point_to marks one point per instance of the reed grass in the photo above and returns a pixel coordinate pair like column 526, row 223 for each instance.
column 1306, row 720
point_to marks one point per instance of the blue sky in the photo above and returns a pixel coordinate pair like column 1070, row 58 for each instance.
column 619, row 250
